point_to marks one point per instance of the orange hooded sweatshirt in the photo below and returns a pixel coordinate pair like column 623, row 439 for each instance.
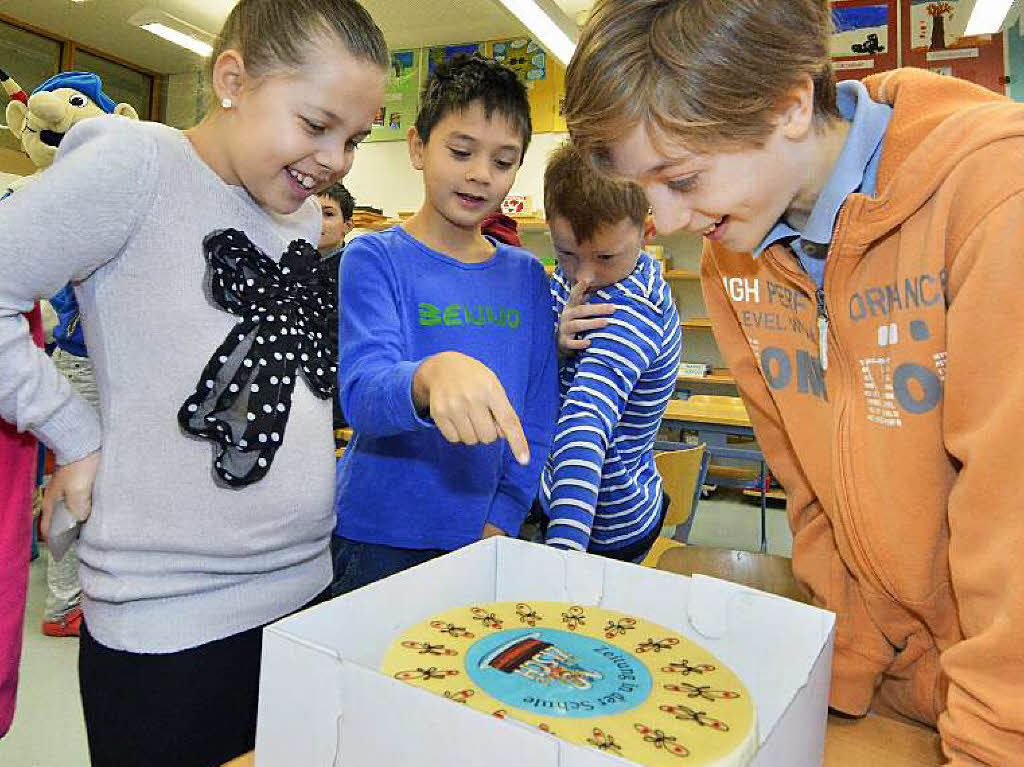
column 899, row 454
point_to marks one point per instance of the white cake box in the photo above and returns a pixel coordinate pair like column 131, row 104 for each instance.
column 323, row 702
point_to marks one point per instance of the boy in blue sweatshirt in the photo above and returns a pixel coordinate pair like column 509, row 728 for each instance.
column 600, row 488
column 447, row 362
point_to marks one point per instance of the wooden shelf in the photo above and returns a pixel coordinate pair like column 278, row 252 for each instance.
column 716, row 376
column 681, row 274
column 697, row 322
column 530, row 223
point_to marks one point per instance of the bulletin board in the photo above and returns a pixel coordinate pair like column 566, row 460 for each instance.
column 441, row 53
column 864, row 39
column 543, row 76
column 401, row 97
column 931, row 40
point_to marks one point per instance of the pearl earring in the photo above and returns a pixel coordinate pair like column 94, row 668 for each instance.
column 226, row 103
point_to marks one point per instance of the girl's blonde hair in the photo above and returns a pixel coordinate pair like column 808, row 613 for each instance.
column 709, row 74
column 277, row 35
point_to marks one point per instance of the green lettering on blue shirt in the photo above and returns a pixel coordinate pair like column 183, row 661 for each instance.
column 476, row 315
column 451, row 315
column 429, row 315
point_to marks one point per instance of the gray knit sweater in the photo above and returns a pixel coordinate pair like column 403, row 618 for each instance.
column 169, row 558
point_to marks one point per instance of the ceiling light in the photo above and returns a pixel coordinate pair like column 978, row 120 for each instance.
column 990, row 16
column 173, row 29
column 548, row 24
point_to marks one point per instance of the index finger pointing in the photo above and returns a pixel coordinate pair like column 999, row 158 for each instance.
column 512, row 430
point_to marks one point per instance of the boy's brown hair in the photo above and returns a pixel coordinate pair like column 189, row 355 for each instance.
column 587, row 200
column 709, row 74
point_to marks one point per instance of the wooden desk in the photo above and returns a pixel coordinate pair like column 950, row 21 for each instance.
column 701, row 410
column 766, row 572
column 873, row 740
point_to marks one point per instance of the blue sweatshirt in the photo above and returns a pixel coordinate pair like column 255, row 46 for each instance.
column 600, row 488
column 400, row 483
column 68, row 334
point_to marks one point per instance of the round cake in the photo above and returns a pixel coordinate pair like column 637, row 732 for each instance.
column 598, row 678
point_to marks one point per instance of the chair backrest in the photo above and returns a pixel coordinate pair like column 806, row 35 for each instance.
column 766, row 572
column 682, row 473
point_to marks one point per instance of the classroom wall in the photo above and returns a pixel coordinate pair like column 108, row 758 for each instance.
column 185, row 99
column 382, row 176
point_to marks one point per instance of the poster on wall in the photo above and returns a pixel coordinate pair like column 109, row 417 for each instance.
column 523, row 56
column 864, row 37
column 933, row 39
column 541, row 74
column 401, row 98
column 441, row 53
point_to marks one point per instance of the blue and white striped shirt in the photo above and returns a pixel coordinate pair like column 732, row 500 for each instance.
column 600, row 487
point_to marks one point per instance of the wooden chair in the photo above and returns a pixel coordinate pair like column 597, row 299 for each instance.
column 765, row 572
column 682, row 474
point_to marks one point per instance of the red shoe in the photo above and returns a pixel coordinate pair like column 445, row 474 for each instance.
column 68, row 626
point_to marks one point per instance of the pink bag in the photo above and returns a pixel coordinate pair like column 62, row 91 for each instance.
column 17, row 481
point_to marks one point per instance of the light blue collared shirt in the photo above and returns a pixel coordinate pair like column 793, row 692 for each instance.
column 856, row 170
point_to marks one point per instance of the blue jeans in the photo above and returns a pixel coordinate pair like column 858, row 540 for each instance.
column 358, row 564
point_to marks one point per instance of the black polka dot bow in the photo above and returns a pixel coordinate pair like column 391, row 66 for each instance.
column 286, row 311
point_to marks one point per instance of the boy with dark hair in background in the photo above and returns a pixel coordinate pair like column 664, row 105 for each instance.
column 336, row 209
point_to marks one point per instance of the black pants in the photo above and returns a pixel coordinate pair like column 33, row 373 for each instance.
column 637, row 551
column 193, row 708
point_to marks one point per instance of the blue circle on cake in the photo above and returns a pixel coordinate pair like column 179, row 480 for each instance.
column 556, row 673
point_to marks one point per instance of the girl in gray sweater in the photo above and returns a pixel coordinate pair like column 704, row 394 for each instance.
column 206, row 476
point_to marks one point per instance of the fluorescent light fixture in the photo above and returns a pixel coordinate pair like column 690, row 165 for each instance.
column 989, row 17
column 548, row 23
column 174, row 30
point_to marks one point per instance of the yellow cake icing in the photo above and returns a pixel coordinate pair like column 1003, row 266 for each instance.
column 590, row 676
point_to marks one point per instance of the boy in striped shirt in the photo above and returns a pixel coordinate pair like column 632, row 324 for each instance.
column 600, row 488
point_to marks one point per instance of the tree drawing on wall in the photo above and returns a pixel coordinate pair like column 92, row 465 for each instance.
column 938, row 12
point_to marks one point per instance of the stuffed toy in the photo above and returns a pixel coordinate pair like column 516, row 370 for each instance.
column 41, row 120
column 14, row 91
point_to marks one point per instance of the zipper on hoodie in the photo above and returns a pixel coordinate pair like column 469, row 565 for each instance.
column 845, row 507
column 822, row 328
column 842, row 431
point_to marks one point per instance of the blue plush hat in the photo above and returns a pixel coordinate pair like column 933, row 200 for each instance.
column 84, row 82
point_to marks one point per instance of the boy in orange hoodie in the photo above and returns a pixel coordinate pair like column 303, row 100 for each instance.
column 862, row 270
